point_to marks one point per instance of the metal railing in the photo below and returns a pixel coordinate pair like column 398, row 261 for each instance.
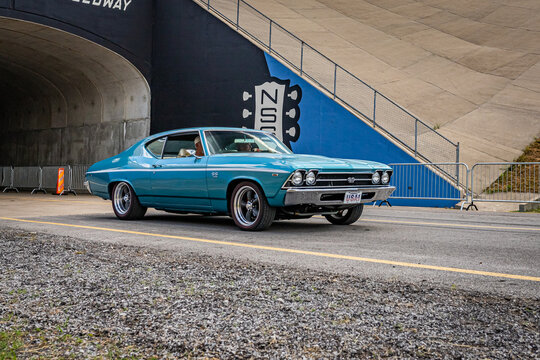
column 431, row 181
column 340, row 84
column 517, row 182
column 43, row 178
column 490, row 182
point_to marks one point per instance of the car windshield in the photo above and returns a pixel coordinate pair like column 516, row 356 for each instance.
column 224, row 142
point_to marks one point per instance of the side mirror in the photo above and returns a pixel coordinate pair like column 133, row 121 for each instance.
column 192, row 152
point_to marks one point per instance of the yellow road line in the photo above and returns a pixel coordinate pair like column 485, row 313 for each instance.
column 472, row 226
column 49, row 200
column 293, row 251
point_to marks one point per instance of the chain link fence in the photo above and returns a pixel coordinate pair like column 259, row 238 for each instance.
column 362, row 99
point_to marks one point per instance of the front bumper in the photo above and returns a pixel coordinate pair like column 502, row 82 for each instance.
column 334, row 196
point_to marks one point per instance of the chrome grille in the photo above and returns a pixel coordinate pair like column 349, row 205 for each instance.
column 343, row 179
column 335, row 179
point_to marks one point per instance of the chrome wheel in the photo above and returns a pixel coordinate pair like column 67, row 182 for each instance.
column 246, row 205
column 122, row 198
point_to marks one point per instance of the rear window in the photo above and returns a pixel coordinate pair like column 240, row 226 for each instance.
column 156, row 147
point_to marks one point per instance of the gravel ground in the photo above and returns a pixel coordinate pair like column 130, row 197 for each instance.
column 63, row 297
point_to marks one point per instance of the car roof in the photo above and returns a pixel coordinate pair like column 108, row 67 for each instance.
column 169, row 132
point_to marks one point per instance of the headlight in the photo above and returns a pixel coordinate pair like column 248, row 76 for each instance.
column 385, row 178
column 375, row 178
column 311, row 178
column 297, row 178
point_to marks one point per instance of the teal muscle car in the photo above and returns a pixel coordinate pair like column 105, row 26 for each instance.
column 247, row 174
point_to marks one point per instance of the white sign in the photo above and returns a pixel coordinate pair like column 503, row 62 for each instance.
column 121, row 5
column 269, row 108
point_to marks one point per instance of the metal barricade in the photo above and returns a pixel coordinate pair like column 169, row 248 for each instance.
column 2, row 176
column 50, row 177
column 8, row 174
column 340, row 84
column 68, row 188
column 517, row 182
column 78, row 174
column 431, row 181
column 27, row 177
column 39, row 188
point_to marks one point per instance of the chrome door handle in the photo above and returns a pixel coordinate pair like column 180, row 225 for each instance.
column 157, row 166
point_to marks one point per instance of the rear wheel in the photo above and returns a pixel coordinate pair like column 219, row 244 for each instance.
column 125, row 203
column 347, row 216
column 249, row 208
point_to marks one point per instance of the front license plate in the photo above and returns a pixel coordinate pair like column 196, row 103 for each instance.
column 353, row 197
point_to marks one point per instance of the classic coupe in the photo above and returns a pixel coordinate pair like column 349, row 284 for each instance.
column 247, row 174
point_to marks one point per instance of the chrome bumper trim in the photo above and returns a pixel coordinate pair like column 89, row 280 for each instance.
column 300, row 196
column 87, row 186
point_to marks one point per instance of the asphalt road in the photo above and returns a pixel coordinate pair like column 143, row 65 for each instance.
column 478, row 251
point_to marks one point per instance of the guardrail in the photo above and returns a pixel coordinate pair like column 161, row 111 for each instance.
column 342, row 85
column 505, row 182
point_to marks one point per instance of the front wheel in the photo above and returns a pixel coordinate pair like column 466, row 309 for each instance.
column 249, row 208
column 125, row 203
column 347, row 216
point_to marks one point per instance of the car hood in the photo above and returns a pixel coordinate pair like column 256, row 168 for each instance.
column 308, row 162
column 330, row 164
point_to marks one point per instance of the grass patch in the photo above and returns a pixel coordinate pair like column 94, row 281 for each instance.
column 57, row 344
column 10, row 343
column 520, row 178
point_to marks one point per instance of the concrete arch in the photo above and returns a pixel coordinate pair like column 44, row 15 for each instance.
column 65, row 99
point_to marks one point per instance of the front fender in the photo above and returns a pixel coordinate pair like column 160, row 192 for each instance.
column 219, row 183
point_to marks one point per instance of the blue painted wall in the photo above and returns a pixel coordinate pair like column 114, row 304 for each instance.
column 327, row 128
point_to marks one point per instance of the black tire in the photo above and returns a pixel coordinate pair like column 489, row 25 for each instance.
column 347, row 216
column 125, row 203
column 249, row 207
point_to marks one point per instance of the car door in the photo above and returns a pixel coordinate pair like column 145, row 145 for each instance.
column 178, row 179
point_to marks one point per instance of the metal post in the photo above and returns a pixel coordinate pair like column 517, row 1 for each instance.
column 12, row 180
column 208, row 3
column 457, row 162
column 374, row 108
column 270, row 38
column 70, row 183
column 415, row 137
column 237, row 15
column 301, row 57
column 335, row 79
column 40, row 186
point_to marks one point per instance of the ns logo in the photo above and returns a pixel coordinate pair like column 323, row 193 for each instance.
column 273, row 107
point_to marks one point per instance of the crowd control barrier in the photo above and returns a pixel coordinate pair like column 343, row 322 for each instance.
column 43, row 178
column 517, row 182
column 439, row 183
column 8, row 178
column 433, row 182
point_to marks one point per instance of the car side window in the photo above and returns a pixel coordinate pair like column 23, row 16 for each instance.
column 156, row 147
column 178, row 145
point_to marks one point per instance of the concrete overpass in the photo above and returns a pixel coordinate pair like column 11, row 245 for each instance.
column 70, row 93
